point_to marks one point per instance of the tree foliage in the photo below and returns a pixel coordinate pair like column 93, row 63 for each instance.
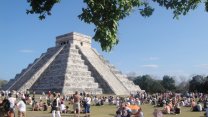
column 168, row 83
column 182, row 87
column 198, row 84
column 2, row 83
column 106, row 14
column 148, row 84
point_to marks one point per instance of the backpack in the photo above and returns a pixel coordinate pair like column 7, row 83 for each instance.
column 6, row 105
column 54, row 104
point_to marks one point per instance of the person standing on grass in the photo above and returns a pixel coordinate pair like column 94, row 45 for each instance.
column 87, row 102
column 21, row 105
column 55, row 106
column 12, row 102
column 76, row 105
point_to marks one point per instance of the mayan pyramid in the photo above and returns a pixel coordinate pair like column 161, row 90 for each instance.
column 72, row 65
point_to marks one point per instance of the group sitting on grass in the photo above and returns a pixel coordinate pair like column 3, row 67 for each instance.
column 127, row 106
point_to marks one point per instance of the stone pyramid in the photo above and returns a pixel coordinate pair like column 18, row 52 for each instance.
column 72, row 65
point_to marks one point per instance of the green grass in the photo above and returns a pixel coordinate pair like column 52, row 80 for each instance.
column 109, row 111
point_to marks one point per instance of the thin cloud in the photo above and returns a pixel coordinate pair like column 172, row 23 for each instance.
column 203, row 66
column 26, row 51
column 150, row 66
column 153, row 58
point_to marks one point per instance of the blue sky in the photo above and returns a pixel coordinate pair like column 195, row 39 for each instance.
column 158, row 45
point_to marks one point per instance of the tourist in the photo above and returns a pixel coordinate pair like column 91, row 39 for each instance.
column 45, row 107
column 206, row 113
column 40, row 105
column 166, row 109
column 205, row 104
column 49, row 94
column 177, row 109
column 55, row 106
column 157, row 113
column 21, row 105
column 139, row 113
column 193, row 105
column 29, row 100
column 87, row 102
column 199, row 107
column 1, row 108
column 123, row 111
column 5, row 107
column 12, row 102
column 63, row 108
column 34, row 106
column 76, row 105
column 96, row 101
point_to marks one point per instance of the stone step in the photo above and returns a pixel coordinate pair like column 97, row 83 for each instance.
column 35, row 77
column 81, row 85
column 33, row 69
column 78, row 66
column 86, row 90
column 104, row 71
column 76, row 61
column 83, row 80
column 79, row 78
column 78, row 73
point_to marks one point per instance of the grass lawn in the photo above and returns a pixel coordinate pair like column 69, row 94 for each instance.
column 109, row 111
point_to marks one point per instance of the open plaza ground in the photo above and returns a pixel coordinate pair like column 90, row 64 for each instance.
column 109, row 111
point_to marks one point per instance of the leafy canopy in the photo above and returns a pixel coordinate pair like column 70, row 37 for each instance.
column 106, row 14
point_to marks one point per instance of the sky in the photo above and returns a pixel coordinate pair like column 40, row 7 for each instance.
column 158, row 45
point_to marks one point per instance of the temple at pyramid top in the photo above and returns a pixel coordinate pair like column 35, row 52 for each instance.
column 72, row 65
column 73, row 38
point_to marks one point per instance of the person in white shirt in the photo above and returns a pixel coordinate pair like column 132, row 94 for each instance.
column 55, row 106
column 199, row 106
column 21, row 105
column 12, row 102
column 63, row 108
column 87, row 102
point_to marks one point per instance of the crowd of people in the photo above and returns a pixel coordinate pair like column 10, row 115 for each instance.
column 9, row 104
column 53, row 102
column 130, row 106
column 170, row 103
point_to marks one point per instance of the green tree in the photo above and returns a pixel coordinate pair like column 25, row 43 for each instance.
column 168, row 83
column 182, row 87
column 106, row 14
column 148, row 84
column 205, row 87
column 2, row 83
column 196, row 84
column 157, row 87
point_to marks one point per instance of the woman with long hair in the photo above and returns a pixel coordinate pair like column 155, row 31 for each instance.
column 21, row 105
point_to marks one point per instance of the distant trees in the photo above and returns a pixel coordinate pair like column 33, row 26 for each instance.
column 2, row 83
column 168, row 83
column 182, row 87
column 198, row 83
column 147, row 83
